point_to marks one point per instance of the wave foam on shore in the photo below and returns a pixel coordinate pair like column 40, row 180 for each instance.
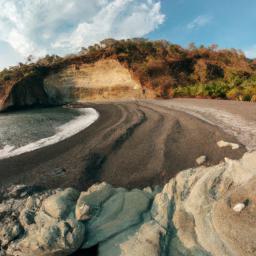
column 88, row 116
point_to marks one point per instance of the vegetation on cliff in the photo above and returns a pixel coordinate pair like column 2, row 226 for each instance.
column 167, row 69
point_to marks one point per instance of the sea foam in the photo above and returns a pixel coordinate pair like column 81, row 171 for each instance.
column 88, row 116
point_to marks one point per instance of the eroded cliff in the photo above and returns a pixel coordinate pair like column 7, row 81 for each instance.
column 105, row 79
column 24, row 93
column 130, row 69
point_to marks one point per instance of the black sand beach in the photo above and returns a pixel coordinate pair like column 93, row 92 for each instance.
column 132, row 144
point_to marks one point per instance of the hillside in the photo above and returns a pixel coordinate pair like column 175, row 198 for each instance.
column 135, row 68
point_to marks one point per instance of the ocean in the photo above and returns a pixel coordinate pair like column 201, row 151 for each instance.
column 27, row 130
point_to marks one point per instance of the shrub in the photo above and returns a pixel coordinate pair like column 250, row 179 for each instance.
column 234, row 93
column 217, row 89
column 253, row 99
column 247, row 97
column 6, row 77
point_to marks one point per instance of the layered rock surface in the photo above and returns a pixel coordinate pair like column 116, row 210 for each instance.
column 194, row 214
column 102, row 80
column 105, row 79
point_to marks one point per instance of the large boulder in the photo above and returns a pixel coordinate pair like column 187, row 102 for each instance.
column 146, row 242
column 114, row 213
column 89, row 202
column 195, row 215
column 61, row 204
column 43, row 224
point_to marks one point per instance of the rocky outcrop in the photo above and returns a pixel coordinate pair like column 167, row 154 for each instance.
column 52, row 223
column 196, row 213
column 24, row 93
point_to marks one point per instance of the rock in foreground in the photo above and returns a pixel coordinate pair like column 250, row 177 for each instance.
column 193, row 215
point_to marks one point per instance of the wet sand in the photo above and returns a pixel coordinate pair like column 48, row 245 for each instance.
column 132, row 144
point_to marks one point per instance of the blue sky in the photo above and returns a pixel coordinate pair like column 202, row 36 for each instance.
column 59, row 26
column 228, row 23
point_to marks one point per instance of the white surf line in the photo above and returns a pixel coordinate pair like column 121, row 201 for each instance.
column 243, row 130
column 88, row 116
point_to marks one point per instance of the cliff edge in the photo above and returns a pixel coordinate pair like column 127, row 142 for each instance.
column 102, row 80
column 105, row 79
column 129, row 69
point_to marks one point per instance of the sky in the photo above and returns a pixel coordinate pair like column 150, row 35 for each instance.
column 41, row 27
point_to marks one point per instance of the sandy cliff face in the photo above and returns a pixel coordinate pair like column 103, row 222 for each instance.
column 105, row 79
column 102, row 80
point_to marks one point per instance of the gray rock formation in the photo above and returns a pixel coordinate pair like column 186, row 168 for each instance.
column 196, row 213
column 40, row 224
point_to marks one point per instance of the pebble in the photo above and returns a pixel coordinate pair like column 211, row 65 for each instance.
column 223, row 143
column 201, row 160
column 239, row 207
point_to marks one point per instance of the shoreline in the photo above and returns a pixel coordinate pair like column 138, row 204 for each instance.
column 234, row 117
column 133, row 145
column 86, row 118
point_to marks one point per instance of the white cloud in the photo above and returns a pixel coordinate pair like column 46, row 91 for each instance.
column 199, row 21
column 250, row 52
column 8, row 55
column 60, row 26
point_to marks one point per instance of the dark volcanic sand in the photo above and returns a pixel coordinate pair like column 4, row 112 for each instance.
column 132, row 144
